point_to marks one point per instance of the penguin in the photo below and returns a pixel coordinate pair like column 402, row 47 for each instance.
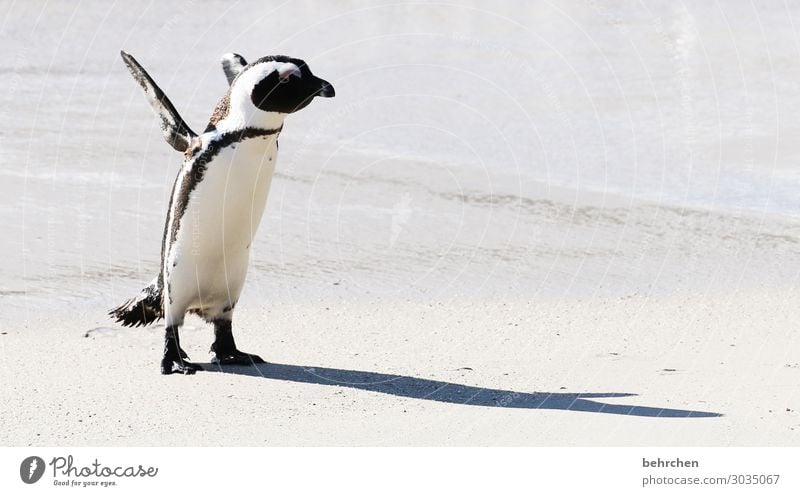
column 217, row 200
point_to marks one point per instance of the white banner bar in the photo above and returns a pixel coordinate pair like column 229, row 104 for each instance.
column 372, row 471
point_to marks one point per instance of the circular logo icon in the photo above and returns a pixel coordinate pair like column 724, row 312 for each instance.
column 31, row 469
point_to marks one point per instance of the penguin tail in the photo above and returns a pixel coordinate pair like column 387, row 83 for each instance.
column 142, row 310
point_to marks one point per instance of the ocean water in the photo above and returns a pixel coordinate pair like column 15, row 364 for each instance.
column 434, row 168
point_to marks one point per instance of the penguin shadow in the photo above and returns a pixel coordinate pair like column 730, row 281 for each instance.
column 448, row 392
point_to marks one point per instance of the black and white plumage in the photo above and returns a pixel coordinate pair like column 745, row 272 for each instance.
column 232, row 65
column 177, row 133
column 218, row 199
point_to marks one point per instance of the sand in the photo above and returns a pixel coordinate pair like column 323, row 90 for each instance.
column 705, row 367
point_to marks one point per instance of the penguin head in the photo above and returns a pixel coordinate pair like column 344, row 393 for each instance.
column 287, row 85
column 275, row 85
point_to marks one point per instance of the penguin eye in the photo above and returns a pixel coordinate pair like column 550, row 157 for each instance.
column 288, row 70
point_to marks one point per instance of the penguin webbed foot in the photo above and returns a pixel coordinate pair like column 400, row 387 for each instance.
column 236, row 357
column 170, row 366
column 175, row 359
column 224, row 347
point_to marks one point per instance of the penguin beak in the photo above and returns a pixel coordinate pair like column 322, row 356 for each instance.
column 325, row 89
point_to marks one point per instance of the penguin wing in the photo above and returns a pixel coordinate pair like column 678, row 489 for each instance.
column 232, row 64
column 177, row 133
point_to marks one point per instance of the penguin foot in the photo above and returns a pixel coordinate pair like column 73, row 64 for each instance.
column 224, row 347
column 175, row 360
column 236, row 357
column 169, row 366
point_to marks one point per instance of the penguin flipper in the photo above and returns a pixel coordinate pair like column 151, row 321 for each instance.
column 177, row 133
column 232, row 64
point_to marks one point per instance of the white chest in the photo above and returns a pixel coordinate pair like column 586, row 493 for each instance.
column 215, row 230
column 229, row 201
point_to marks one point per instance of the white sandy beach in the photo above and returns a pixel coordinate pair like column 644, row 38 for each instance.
column 571, row 227
column 701, row 365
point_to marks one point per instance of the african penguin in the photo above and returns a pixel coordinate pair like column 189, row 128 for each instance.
column 217, row 200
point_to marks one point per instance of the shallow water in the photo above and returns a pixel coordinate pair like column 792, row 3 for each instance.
column 433, row 172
